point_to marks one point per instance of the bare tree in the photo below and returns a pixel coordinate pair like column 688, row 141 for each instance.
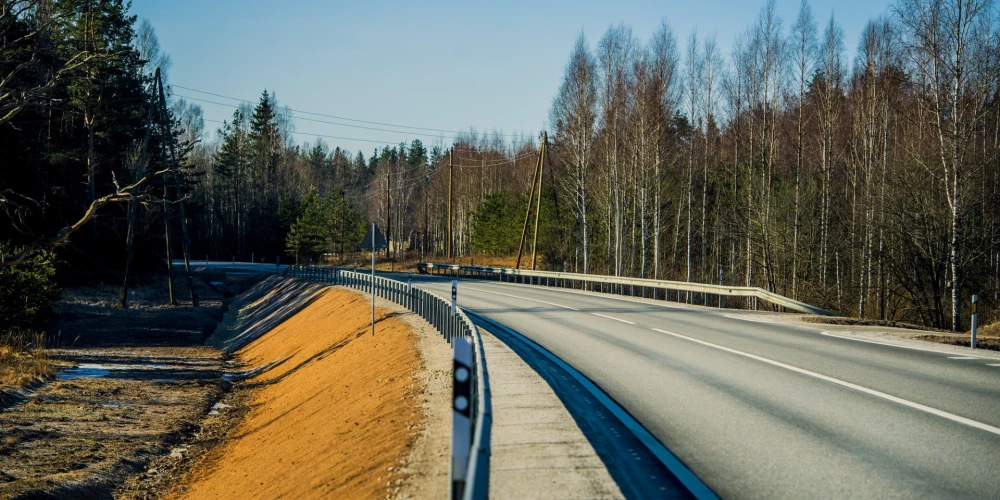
column 952, row 47
column 573, row 117
column 803, row 44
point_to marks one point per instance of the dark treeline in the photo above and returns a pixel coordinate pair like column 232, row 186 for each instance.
column 860, row 179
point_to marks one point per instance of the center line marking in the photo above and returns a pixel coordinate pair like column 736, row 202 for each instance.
column 614, row 318
column 962, row 357
column 843, row 383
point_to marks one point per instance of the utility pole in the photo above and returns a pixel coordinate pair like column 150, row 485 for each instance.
column 166, row 230
column 527, row 213
column 451, row 193
column 427, row 210
column 185, row 240
column 538, row 204
column 388, row 205
column 133, row 208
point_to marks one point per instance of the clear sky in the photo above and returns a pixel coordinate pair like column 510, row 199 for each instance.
column 447, row 65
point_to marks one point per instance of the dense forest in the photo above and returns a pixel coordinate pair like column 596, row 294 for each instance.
column 864, row 180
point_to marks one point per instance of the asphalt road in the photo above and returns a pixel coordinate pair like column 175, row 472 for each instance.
column 771, row 410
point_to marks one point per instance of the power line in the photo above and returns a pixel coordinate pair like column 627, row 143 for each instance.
column 318, row 121
column 328, row 136
column 384, row 124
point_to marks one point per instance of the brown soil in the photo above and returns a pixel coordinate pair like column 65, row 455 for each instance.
column 333, row 415
column 839, row 320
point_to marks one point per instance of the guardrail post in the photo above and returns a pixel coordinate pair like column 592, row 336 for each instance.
column 461, row 423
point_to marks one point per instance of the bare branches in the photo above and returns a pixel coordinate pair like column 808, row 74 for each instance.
column 62, row 237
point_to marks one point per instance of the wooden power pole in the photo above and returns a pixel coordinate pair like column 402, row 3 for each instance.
column 388, row 206
column 527, row 213
column 538, row 204
column 168, row 136
column 451, row 194
column 166, row 229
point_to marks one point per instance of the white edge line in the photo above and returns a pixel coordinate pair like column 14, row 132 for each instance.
column 872, row 392
column 614, row 318
column 962, row 357
column 890, row 344
column 694, row 485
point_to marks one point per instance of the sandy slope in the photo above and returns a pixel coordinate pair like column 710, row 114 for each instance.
column 335, row 412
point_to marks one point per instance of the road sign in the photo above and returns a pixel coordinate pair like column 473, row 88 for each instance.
column 366, row 242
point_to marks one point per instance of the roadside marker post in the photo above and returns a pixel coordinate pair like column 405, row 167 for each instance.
column 975, row 319
column 454, row 297
column 721, row 276
column 461, row 428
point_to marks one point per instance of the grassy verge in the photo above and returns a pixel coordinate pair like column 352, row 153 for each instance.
column 23, row 359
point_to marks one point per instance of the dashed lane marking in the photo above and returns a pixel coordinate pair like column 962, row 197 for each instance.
column 614, row 318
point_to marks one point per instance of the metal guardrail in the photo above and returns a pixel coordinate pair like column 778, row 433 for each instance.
column 469, row 474
column 619, row 284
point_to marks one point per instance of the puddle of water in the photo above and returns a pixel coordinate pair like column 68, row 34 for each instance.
column 98, row 370
column 84, row 371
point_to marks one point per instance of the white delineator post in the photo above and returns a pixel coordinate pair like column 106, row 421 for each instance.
column 975, row 319
column 461, row 428
column 454, row 297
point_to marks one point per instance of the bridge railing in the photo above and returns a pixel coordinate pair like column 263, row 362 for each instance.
column 621, row 285
column 470, row 453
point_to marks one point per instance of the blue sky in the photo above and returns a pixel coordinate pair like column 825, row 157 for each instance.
column 443, row 65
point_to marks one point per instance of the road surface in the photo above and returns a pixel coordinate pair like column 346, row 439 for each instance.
column 760, row 409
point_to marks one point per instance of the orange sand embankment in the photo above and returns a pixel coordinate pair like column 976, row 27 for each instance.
column 331, row 417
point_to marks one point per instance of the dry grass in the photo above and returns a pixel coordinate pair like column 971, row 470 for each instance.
column 23, row 359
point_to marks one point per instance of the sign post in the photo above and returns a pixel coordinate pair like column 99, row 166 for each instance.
column 975, row 319
column 374, row 241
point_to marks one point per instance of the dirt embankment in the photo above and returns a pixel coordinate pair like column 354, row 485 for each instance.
column 332, row 411
column 135, row 383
